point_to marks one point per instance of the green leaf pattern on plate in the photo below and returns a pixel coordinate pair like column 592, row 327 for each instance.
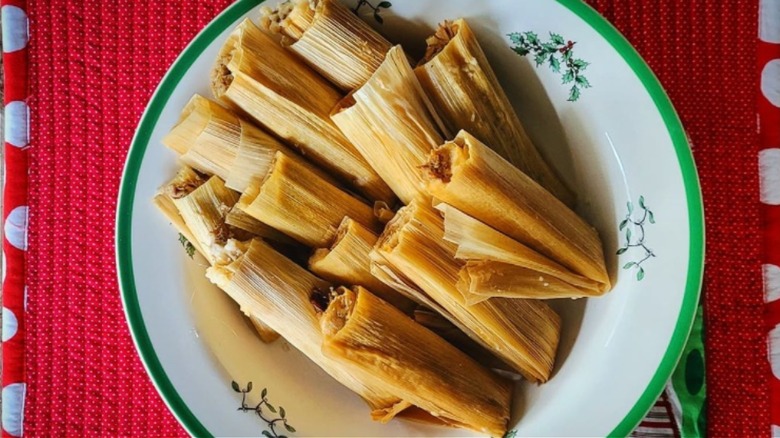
column 635, row 235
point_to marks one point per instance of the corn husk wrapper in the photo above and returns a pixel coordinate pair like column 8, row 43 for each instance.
column 458, row 78
column 206, row 137
column 302, row 205
column 440, row 325
column 189, row 198
column 391, row 122
column 203, row 205
column 265, row 333
column 265, row 283
column 347, row 261
column 292, row 102
column 330, row 38
column 373, row 338
column 165, row 204
column 471, row 177
column 523, row 333
column 498, row 265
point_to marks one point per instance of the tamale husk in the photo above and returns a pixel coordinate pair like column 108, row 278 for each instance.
column 347, row 261
column 523, row 333
column 457, row 77
column 204, row 210
column 266, row 284
column 448, row 331
column 373, row 338
column 188, row 198
column 477, row 241
column 215, row 141
column 165, row 204
column 206, row 137
column 265, row 333
column 238, row 218
column 480, row 280
column 292, row 102
column 498, row 265
column 391, row 122
column 330, row 38
column 299, row 203
column 474, row 179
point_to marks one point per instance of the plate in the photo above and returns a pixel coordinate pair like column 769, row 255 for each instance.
column 607, row 126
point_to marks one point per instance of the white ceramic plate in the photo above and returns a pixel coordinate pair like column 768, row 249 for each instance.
column 619, row 143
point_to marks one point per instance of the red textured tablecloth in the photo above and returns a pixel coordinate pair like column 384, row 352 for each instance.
column 92, row 67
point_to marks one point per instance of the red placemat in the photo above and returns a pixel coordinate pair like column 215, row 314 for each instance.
column 92, row 69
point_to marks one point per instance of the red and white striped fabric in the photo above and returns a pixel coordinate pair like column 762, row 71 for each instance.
column 769, row 166
column 15, row 37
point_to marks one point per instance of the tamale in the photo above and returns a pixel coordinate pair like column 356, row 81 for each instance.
column 391, row 122
column 265, row 283
column 375, row 339
column 330, row 38
column 498, row 265
column 299, row 203
column 188, row 196
column 347, row 261
column 477, row 241
column 523, row 333
column 457, row 77
column 476, row 180
column 293, row 102
column 206, row 137
column 203, row 206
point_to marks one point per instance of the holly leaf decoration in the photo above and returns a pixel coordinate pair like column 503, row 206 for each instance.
column 378, row 18
column 264, row 393
column 574, row 94
column 628, row 235
column 516, row 38
column 580, row 64
column 623, row 224
column 628, row 265
column 568, row 76
column 582, row 81
column 650, row 217
column 267, row 434
column 555, row 65
column 289, row 428
column 642, row 201
column 640, row 274
column 621, row 251
column 384, row 5
column 271, row 407
column 235, row 387
column 522, row 51
column 555, row 52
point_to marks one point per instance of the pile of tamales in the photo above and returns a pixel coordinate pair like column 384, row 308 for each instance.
column 392, row 221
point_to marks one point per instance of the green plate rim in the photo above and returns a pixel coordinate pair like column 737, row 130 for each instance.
column 236, row 10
